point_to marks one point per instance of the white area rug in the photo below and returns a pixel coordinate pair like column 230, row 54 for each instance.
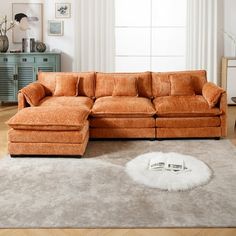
column 199, row 173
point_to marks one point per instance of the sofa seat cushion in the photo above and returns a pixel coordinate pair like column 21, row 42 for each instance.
column 50, row 118
column 187, row 122
column 48, row 136
column 184, row 106
column 67, row 101
column 123, row 107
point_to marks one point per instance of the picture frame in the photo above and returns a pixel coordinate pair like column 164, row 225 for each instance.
column 55, row 28
column 29, row 18
column 62, row 10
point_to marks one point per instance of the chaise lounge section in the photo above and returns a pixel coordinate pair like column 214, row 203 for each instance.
column 61, row 111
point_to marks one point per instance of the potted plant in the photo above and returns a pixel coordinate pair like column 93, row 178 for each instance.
column 4, row 43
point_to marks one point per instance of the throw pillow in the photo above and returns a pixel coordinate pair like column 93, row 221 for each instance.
column 125, row 86
column 212, row 93
column 66, row 85
column 181, row 85
column 33, row 93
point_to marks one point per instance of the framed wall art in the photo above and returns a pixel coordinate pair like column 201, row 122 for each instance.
column 62, row 10
column 55, row 28
column 29, row 18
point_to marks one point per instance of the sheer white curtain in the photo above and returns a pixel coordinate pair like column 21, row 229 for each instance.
column 204, row 37
column 94, row 35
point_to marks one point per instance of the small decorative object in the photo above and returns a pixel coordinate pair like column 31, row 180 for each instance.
column 4, row 43
column 174, row 164
column 63, row 10
column 29, row 20
column 55, row 27
column 32, row 45
column 157, row 164
column 25, row 45
column 169, row 164
column 40, row 47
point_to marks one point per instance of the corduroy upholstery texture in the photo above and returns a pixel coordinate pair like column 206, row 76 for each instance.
column 181, row 85
column 125, row 87
column 51, row 101
column 33, row 93
column 212, row 93
column 161, row 85
column 105, row 83
column 66, row 85
column 123, row 107
column 22, row 103
column 103, row 122
column 187, row 122
column 184, row 106
column 48, row 136
column 57, row 149
column 168, row 105
column 205, row 132
column 122, row 133
column 50, row 118
column 86, row 86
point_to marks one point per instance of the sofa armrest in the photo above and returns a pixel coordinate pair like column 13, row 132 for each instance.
column 31, row 94
column 223, row 117
column 22, row 103
column 212, row 93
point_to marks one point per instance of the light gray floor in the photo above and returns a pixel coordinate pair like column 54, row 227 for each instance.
column 96, row 192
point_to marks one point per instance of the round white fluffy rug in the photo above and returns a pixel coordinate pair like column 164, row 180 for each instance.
column 199, row 173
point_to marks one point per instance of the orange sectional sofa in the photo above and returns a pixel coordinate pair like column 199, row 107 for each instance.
column 61, row 111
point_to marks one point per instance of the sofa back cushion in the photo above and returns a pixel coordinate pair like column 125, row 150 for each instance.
column 181, row 85
column 66, row 85
column 125, row 86
column 161, row 81
column 105, row 83
column 86, row 85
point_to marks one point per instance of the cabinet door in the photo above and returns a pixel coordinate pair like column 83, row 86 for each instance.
column 8, row 89
column 25, row 75
column 231, row 84
column 45, row 68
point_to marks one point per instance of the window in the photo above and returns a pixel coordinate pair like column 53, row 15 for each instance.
column 150, row 35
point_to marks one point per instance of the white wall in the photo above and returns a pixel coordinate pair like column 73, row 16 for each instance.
column 64, row 43
column 230, row 27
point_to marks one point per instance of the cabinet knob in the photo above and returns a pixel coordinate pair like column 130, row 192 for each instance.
column 45, row 59
column 5, row 59
column 24, row 59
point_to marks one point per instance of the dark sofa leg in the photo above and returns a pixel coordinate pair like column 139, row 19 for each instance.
column 217, row 138
column 160, row 139
column 152, row 139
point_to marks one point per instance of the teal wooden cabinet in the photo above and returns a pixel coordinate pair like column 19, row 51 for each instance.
column 19, row 69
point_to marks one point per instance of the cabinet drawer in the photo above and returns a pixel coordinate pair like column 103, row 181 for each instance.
column 26, row 59
column 7, row 59
column 231, row 62
column 46, row 59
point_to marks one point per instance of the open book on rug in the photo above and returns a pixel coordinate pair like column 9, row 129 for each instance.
column 169, row 164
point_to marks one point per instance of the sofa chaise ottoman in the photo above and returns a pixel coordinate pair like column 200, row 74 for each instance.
column 153, row 105
column 49, row 131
